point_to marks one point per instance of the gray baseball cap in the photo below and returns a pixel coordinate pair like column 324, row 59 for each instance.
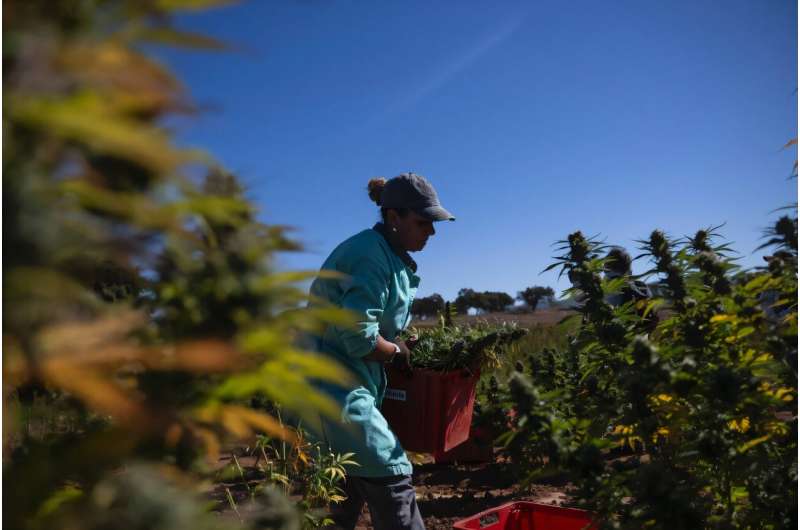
column 415, row 193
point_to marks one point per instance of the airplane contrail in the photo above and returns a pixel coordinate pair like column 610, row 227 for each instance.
column 436, row 81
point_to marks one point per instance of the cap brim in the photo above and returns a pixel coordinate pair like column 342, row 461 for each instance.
column 437, row 213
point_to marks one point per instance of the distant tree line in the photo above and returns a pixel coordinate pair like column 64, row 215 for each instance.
column 487, row 301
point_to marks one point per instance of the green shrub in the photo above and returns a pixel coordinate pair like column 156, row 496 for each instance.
column 702, row 404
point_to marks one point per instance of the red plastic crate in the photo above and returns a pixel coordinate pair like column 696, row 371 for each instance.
column 430, row 411
column 479, row 447
column 523, row 515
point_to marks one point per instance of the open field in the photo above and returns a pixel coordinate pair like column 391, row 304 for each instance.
column 526, row 320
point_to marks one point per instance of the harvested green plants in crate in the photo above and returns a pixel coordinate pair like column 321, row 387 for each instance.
column 430, row 406
column 447, row 348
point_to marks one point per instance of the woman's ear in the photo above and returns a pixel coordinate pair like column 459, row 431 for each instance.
column 392, row 218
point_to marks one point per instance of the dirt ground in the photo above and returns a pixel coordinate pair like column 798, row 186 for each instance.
column 447, row 493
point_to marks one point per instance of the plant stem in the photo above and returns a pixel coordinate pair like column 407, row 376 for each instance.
column 232, row 504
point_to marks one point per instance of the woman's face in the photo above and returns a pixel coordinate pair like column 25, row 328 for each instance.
column 413, row 230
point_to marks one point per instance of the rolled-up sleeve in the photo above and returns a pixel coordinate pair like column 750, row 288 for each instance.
column 365, row 293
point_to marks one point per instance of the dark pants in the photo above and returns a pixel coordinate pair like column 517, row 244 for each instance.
column 391, row 500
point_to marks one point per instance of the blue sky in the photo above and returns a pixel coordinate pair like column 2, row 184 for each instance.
column 532, row 120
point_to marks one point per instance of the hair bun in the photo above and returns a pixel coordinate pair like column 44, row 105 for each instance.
column 375, row 189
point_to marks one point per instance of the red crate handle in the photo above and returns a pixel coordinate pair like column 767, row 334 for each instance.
column 488, row 520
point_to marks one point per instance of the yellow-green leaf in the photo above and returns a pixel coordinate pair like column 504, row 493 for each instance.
column 277, row 279
column 757, row 282
column 723, row 318
column 752, row 443
column 95, row 122
column 59, row 497
column 745, row 332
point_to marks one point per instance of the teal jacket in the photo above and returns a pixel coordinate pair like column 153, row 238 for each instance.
column 379, row 287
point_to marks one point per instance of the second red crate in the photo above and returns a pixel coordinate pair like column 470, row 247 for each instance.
column 524, row 515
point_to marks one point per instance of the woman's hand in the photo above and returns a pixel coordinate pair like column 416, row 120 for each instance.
column 386, row 351
column 402, row 359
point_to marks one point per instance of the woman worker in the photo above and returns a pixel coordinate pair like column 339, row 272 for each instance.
column 379, row 286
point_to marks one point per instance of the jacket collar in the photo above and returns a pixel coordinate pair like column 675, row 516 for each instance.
column 400, row 252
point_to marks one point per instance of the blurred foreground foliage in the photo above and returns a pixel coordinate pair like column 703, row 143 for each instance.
column 142, row 307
